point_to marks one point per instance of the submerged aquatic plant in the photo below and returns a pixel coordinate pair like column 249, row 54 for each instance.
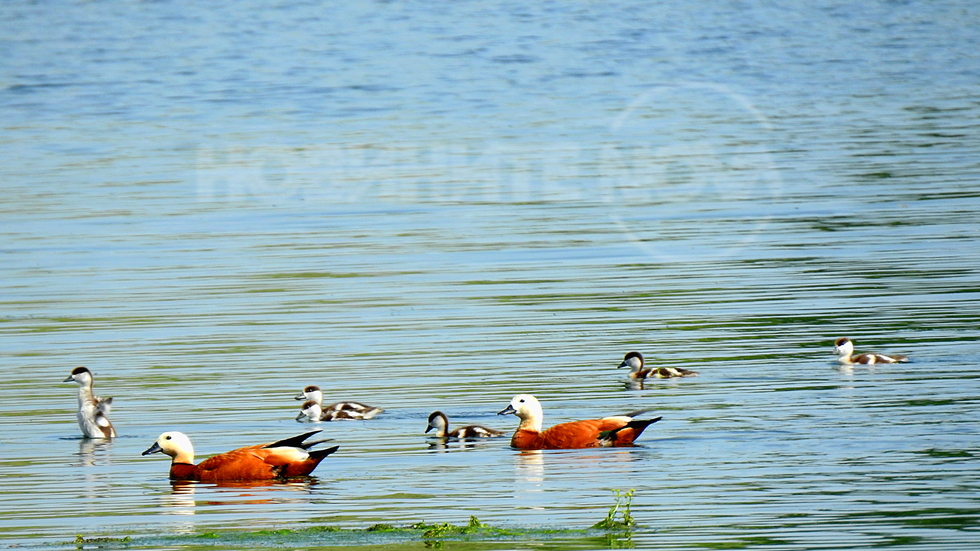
column 444, row 529
column 81, row 541
column 477, row 534
column 622, row 505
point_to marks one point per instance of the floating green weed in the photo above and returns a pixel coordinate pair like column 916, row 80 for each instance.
column 81, row 540
column 477, row 535
column 623, row 502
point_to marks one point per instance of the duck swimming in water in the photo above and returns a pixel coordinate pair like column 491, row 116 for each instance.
column 313, row 409
column 620, row 430
column 439, row 422
column 844, row 348
column 285, row 458
column 340, row 411
column 634, row 361
column 93, row 412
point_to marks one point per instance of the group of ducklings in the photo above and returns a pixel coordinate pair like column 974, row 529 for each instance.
column 312, row 410
column 93, row 411
column 294, row 456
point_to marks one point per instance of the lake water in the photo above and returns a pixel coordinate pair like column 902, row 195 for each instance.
column 440, row 205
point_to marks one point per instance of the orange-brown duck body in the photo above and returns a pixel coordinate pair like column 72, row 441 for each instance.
column 276, row 460
column 618, row 431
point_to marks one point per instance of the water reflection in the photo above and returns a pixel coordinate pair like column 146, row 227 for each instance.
column 529, row 487
column 94, row 484
column 848, row 369
column 92, row 452
column 529, row 466
column 534, row 466
column 634, row 384
column 445, row 444
column 253, row 492
column 181, row 500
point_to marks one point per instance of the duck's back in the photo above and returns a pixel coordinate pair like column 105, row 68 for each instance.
column 474, row 431
column 572, row 435
column 247, row 463
column 252, row 463
column 93, row 422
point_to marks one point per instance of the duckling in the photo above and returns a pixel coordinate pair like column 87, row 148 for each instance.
column 844, row 348
column 439, row 421
column 93, row 412
column 634, row 361
column 618, row 431
column 311, row 411
column 335, row 411
column 282, row 459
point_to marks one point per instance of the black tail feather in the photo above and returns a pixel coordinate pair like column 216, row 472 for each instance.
column 318, row 455
column 309, row 445
column 638, row 425
column 295, row 441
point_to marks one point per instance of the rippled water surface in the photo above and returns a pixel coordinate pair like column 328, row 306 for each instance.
column 437, row 206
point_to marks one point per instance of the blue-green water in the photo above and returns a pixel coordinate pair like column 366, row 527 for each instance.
column 438, row 206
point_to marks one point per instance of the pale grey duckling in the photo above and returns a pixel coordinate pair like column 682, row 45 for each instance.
column 93, row 412
column 313, row 409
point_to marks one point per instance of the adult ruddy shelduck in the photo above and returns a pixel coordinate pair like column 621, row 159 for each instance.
column 283, row 459
column 313, row 409
column 620, row 430
column 844, row 348
column 634, row 361
column 93, row 412
column 439, row 422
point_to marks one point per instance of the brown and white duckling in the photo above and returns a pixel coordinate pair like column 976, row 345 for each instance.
column 439, row 421
column 313, row 409
column 93, row 412
column 844, row 348
column 634, row 361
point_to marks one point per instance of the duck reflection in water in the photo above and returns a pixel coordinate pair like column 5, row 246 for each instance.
column 532, row 464
column 92, row 452
column 529, row 487
column 446, row 444
column 181, row 499
column 259, row 492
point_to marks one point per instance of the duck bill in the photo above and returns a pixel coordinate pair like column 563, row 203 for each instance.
column 155, row 448
column 300, row 396
column 428, row 428
column 301, row 416
column 507, row 410
column 70, row 379
column 621, row 365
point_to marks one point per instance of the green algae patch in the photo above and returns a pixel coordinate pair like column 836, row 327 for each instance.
column 472, row 536
column 81, row 541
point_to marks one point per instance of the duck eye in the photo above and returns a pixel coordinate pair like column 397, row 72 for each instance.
column 522, row 400
column 169, row 437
